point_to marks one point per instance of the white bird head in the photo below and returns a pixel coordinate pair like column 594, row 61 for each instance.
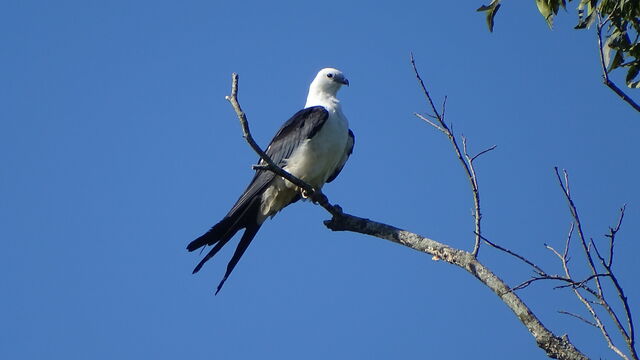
column 325, row 86
column 329, row 80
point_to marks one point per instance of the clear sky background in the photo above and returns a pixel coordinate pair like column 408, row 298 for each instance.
column 118, row 148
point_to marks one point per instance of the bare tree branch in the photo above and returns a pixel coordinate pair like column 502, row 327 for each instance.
column 627, row 334
column 612, row 234
column 525, row 260
column 466, row 161
column 555, row 347
column 430, row 122
column 483, row 152
column 578, row 317
column 588, row 304
column 580, row 283
column 574, row 213
column 567, row 245
column 528, row 282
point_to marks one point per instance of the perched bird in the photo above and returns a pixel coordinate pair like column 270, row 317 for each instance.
column 312, row 145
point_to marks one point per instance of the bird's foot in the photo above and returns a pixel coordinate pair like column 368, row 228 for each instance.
column 306, row 195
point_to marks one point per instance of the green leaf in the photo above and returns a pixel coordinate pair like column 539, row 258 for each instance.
column 545, row 10
column 617, row 60
column 631, row 74
column 491, row 10
column 606, row 50
column 585, row 22
column 634, row 51
column 618, row 25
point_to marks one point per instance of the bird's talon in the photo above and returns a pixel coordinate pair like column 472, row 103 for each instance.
column 305, row 194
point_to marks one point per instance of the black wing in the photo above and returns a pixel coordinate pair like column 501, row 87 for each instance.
column 350, row 143
column 301, row 126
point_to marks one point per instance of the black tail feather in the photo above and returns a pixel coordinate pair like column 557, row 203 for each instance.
column 248, row 235
column 216, row 233
column 210, row 254
column 244, row 217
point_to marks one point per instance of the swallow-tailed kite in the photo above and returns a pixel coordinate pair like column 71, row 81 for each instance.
column 313, row 145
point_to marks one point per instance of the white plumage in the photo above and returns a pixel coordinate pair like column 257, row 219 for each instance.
column 315, row 159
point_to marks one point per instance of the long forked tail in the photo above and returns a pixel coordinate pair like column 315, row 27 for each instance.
column 221, row 233
column 248, row 235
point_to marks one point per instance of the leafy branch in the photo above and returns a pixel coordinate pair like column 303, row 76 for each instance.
column 617, row 21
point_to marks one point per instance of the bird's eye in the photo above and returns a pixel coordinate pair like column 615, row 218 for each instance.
column 329, row 76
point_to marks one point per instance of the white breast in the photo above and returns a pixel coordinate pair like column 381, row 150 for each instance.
column 317, row 158
column 313, row 162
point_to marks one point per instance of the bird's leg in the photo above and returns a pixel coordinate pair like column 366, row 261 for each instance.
column 317, row 197
column 321, row 199
column 306, row 195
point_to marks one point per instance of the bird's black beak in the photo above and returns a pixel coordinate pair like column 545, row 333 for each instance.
column 345, row 82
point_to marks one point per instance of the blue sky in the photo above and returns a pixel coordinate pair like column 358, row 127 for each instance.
column 118, row 148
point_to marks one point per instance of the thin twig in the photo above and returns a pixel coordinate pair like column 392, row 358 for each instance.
column 554, row 251
column 599, row 324
column 570, row 283
column 582, row 282
column 629, row 333
column 578, row 317
column 574, row 213
column 483, row 152
column 598, row 255
column 567, row 245
column 512, row 253
column 612, row 234
column 528, row 282
column 444, row 106
column 430, row 122
column 465, row 159
column 600, row 292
